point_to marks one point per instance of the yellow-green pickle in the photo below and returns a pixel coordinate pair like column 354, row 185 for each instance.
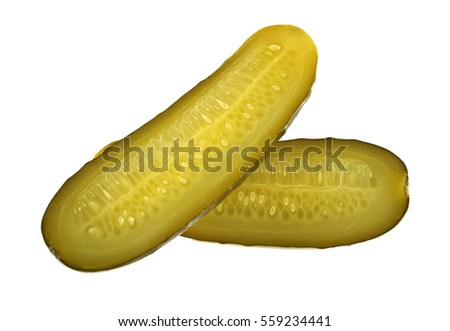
column 104, row 217
column 313, row 193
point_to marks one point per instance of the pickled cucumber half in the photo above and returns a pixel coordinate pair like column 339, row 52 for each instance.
column 326, row 192
column 106, row 216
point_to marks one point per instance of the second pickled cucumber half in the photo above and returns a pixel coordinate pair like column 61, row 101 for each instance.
column 312, row 193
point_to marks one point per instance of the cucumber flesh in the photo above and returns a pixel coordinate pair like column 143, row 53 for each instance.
column 362, row 195
column 104, row 219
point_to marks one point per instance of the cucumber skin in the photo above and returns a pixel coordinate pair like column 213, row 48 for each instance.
column 90, row 242
column 245, row 216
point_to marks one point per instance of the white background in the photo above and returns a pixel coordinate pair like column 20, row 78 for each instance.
column 75, row 75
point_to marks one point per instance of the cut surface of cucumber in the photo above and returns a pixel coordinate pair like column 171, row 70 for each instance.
column 313, row 193
column 133, row 197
